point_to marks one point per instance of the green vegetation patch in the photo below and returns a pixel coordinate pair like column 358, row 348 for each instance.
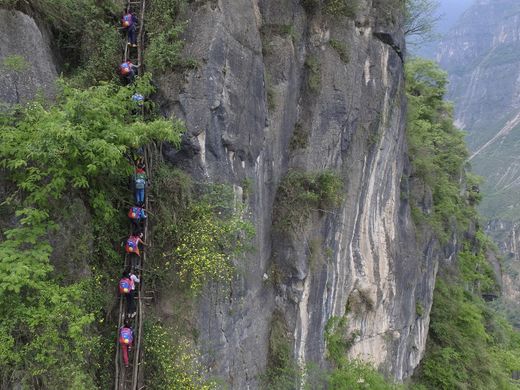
column 437, row 150
column 347, row 373
column 76, row 148
column 171, row 363
column 346, row 8
column 313, row 66
column 200, row 229
column 470, row 346
column 165, row 42
column 300, row 137
column 341, row 49
column 84, row 34
column 282, row 370
column 301, row 193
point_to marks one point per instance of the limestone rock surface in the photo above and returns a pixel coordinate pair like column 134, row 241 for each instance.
column 26, row 62
column 281, row 88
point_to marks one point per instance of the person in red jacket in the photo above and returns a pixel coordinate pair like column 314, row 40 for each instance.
column 126, row 339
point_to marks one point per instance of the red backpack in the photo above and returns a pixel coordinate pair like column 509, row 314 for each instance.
column 125, row 286
column 132, row 245
column 126, row 336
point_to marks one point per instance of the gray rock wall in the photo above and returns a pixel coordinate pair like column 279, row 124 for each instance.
column 26, row 62
column 267, row 68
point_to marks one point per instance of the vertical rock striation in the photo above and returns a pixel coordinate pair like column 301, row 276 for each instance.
column 280, row 87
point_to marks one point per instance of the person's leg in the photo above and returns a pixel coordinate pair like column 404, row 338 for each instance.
column 124, row 348
column 140, row 196
column 136, row 261
column 131, row 305
column 128, row 304
column 131, row 35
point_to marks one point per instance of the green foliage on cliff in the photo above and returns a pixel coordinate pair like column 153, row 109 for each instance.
column 346, row 8
column 349, row 373
column 75, row 148
column 437, row 150
column 170, row 363
column 470, row 346
column 201, row 228
column 84, row 32
column 301, row 193
column 164, row 31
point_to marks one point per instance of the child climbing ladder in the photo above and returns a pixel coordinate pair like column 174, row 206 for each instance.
column 129, row 331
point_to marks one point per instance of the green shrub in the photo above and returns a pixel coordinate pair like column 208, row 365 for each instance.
column 469, row 345
column 346, row 8
column 282, row 371
column 436, row 148
column 165, row 44
column 313, row 67
column 341, row 49
column 301, row 193
column 463, row 349
column 346, row 373
column 199, row 230
column 100, row 53
column 15, row 63
column 300, row 137
column 165, row 49
column 357, row 375
column 171, row 363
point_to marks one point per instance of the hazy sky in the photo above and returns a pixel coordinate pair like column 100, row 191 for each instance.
column 450, row 11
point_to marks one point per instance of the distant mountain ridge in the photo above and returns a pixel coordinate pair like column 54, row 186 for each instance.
column 482, row 56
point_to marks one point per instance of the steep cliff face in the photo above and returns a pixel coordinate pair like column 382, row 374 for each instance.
column 482, row 55
column 280, row 87
column 26, row 62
